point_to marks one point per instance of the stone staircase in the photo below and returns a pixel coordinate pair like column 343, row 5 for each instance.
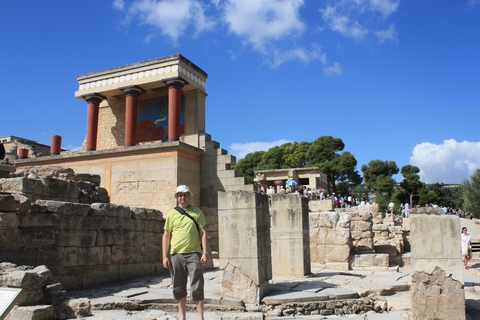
column 476, row 246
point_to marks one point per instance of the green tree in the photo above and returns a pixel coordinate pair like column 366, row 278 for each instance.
column 294, row 155
column 248, row 165
column 378, row 176
column 323, row 153
column 411, row 183
column 471, row 194
column 272, row 159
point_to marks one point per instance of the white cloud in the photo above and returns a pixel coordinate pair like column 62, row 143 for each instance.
column 260, row 21
column 298, row 53
column 118, row 4
column 240, row 150
column 170, row 17
column 387, row 34
column 344, row 17
column 334, row 69
column 473, row 3
column 450, row 162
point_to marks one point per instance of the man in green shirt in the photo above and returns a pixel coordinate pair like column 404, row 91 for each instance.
column 186, row 236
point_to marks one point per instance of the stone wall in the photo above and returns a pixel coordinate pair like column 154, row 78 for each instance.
column 330, row 240
column 81, row 243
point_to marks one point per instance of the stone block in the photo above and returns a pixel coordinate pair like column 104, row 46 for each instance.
column 37, row 237
column 111, row 210
column 22, row 185
column 369, row 260
column 236, row 284
column 244, row 229
column 75, row 238
column 146, row 214
column 36, row 220
column 8, row 221
column 10, row 239
column 60, row 189
column 290, row 235
column 437, row 295
column 39, row 312
column 429, row 251
column 65, row 208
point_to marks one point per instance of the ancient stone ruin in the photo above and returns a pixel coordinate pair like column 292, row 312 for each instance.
column 60, row 232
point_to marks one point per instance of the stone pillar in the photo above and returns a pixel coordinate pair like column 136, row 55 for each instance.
column 93, row 103
column 22, row 153
column 437, row 267
column 244, row 245
column 290, row 235
column 131, row 107
column 174, row 104
column 55, row 145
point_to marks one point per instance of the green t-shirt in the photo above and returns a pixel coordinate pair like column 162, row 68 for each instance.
column 185, row 237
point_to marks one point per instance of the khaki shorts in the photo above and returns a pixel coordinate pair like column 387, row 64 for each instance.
column 183, row 266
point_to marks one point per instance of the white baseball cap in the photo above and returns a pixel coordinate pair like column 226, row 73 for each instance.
column 182, row 188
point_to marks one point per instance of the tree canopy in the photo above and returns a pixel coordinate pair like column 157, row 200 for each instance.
column 471, row 194
column 322, row 153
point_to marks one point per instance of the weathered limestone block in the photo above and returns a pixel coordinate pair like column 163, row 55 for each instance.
column 21, row 185
column 75, row 238
column 428, row 211
column 60, row 189
column 238, row 285
column 111, row 210
column 290, row 235
column 39, row 312
column 36, row 220
column 244, row 227
column 8, row 221
column 37, row 237
column 95, row 179
column 361, row 232
column 9, row 239
column 366, row 261
column 320, row 206
column 146, row 214
column 437, row 296
column 66, row 208
column 76, row 308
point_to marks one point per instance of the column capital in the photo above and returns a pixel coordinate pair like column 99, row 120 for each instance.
column 176, row 82
column 95, row 98
column 132, row 90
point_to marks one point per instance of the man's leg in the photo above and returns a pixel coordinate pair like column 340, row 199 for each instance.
column 182, row 308
column 199, row 309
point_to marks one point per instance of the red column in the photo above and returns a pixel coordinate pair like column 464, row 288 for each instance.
column 55, row 145
column 174, row 104
column 131, row 107
column 22, row 153
column 92, row 121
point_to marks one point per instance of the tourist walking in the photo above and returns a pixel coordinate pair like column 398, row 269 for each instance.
column 466, row 247
column 186, row 236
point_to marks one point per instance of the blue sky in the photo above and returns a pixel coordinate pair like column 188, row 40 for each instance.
column 396, row 80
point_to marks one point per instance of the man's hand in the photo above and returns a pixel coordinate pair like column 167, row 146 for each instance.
column 166, row 263
column 204, row 258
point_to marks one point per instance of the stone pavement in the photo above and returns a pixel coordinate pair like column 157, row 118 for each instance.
column 123, row 300
column 150, row 297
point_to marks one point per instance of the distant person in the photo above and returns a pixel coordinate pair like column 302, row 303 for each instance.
column 282, row 190
column 271, row 190
column 185, row 235
column 407, row 209
column 466, row 247
column 391, row 207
